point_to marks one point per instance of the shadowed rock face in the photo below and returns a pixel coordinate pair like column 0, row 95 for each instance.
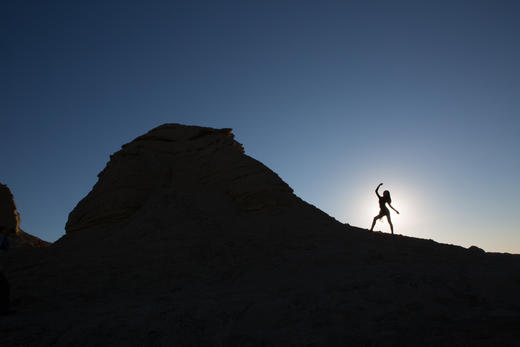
column 178, row 159
column 10, row 218
column 187, row 241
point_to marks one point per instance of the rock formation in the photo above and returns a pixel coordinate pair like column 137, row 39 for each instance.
column 185, row 240
column 177, row 159
column 10, row 218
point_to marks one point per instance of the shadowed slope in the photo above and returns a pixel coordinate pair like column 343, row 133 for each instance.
column 185, row 240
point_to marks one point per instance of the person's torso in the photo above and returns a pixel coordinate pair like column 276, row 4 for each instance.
column 382, row 203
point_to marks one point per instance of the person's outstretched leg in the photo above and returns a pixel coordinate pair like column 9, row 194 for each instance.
column 380, row 215
column 390, row 222
column 373, row 223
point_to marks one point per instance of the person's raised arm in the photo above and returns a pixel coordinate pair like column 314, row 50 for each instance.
column 393, row 208
column 377, row 193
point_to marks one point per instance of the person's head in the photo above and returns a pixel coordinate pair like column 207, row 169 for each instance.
column 386, row 196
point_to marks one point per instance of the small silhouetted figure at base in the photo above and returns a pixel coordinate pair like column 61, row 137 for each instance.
column 383, row 200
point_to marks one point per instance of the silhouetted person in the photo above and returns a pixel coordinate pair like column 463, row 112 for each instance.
column 383, row 200
column 4, row 285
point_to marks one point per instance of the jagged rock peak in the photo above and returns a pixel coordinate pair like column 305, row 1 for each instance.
column 9, row 216
column 183, row 134
column 173, row 159
column 10, row 219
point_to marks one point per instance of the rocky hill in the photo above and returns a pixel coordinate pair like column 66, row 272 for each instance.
column 174, row 160
column 185, row 240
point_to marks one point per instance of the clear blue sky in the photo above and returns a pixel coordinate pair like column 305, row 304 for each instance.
column 334, row 96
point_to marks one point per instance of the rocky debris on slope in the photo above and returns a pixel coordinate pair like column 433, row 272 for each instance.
column 183, row 159
column 10, row 219
column 23, row 239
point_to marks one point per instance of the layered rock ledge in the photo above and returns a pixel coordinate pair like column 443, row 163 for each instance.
column 174, row 158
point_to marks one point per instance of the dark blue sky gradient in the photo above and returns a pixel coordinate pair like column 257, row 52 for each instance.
column 333, row 96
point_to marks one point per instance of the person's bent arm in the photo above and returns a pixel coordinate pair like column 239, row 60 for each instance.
column 377, row 193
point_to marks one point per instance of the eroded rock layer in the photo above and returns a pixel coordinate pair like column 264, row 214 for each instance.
column 178, row 159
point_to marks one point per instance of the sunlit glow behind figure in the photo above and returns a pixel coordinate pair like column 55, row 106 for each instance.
column 384, row 200
column 405, row 223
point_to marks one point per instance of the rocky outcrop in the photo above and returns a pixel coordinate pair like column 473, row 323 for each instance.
column 9, row 216
column 177, row 159
column 10, row 219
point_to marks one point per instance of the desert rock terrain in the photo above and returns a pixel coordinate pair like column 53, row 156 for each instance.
column 187, row 241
